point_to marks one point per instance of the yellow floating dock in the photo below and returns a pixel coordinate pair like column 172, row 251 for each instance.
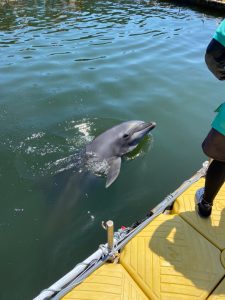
column 177, row 256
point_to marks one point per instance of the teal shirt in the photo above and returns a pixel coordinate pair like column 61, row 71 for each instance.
column 220, row 33
column 219, row 121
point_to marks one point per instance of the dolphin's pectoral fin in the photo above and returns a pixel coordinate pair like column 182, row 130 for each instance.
column 114, row 170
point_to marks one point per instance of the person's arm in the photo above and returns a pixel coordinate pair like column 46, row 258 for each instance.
column 215, row 59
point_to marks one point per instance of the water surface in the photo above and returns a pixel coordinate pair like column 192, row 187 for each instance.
column 68, row 71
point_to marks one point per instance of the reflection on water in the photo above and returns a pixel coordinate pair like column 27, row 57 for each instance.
column 69, row 71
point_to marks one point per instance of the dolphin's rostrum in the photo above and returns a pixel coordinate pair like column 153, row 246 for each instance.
column 108, row 147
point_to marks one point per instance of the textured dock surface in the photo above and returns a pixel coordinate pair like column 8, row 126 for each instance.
column 176, row 256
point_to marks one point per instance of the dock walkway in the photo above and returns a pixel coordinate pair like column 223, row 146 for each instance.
column 177, row 256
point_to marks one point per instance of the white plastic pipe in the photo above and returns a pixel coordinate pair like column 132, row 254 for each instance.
column 65, row 280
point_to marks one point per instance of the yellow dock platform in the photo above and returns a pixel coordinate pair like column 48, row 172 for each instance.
column 177, row 256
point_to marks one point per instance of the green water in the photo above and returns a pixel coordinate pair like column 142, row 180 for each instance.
column 68, row 71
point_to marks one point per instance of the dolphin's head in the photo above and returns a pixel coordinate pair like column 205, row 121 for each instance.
column 133, row 133
column 114, row 143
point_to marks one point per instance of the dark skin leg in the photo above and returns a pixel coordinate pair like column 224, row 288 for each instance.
column 215, row 178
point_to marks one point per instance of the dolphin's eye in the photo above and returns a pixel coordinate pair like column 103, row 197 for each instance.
column 125, row 136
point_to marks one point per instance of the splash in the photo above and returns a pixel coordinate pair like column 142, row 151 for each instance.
column 97, row 166
column 45, row 154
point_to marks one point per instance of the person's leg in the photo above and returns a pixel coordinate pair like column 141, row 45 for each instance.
column 214, row 147
column 215, row 177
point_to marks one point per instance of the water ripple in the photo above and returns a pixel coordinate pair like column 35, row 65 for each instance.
column 69, row 70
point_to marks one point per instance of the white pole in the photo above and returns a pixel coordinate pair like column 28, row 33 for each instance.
column 64, row 281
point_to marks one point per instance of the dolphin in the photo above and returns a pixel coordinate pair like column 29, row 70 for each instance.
column 106, row 150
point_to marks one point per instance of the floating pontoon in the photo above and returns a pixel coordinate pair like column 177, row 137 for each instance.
column 172, row 254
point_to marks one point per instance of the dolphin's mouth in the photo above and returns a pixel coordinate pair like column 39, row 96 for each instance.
column 146, row 127
column 139, row 132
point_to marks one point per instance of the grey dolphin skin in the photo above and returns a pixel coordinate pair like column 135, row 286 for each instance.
column 112, row 144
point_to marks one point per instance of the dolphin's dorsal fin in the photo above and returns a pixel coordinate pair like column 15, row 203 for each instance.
column 114, row 170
